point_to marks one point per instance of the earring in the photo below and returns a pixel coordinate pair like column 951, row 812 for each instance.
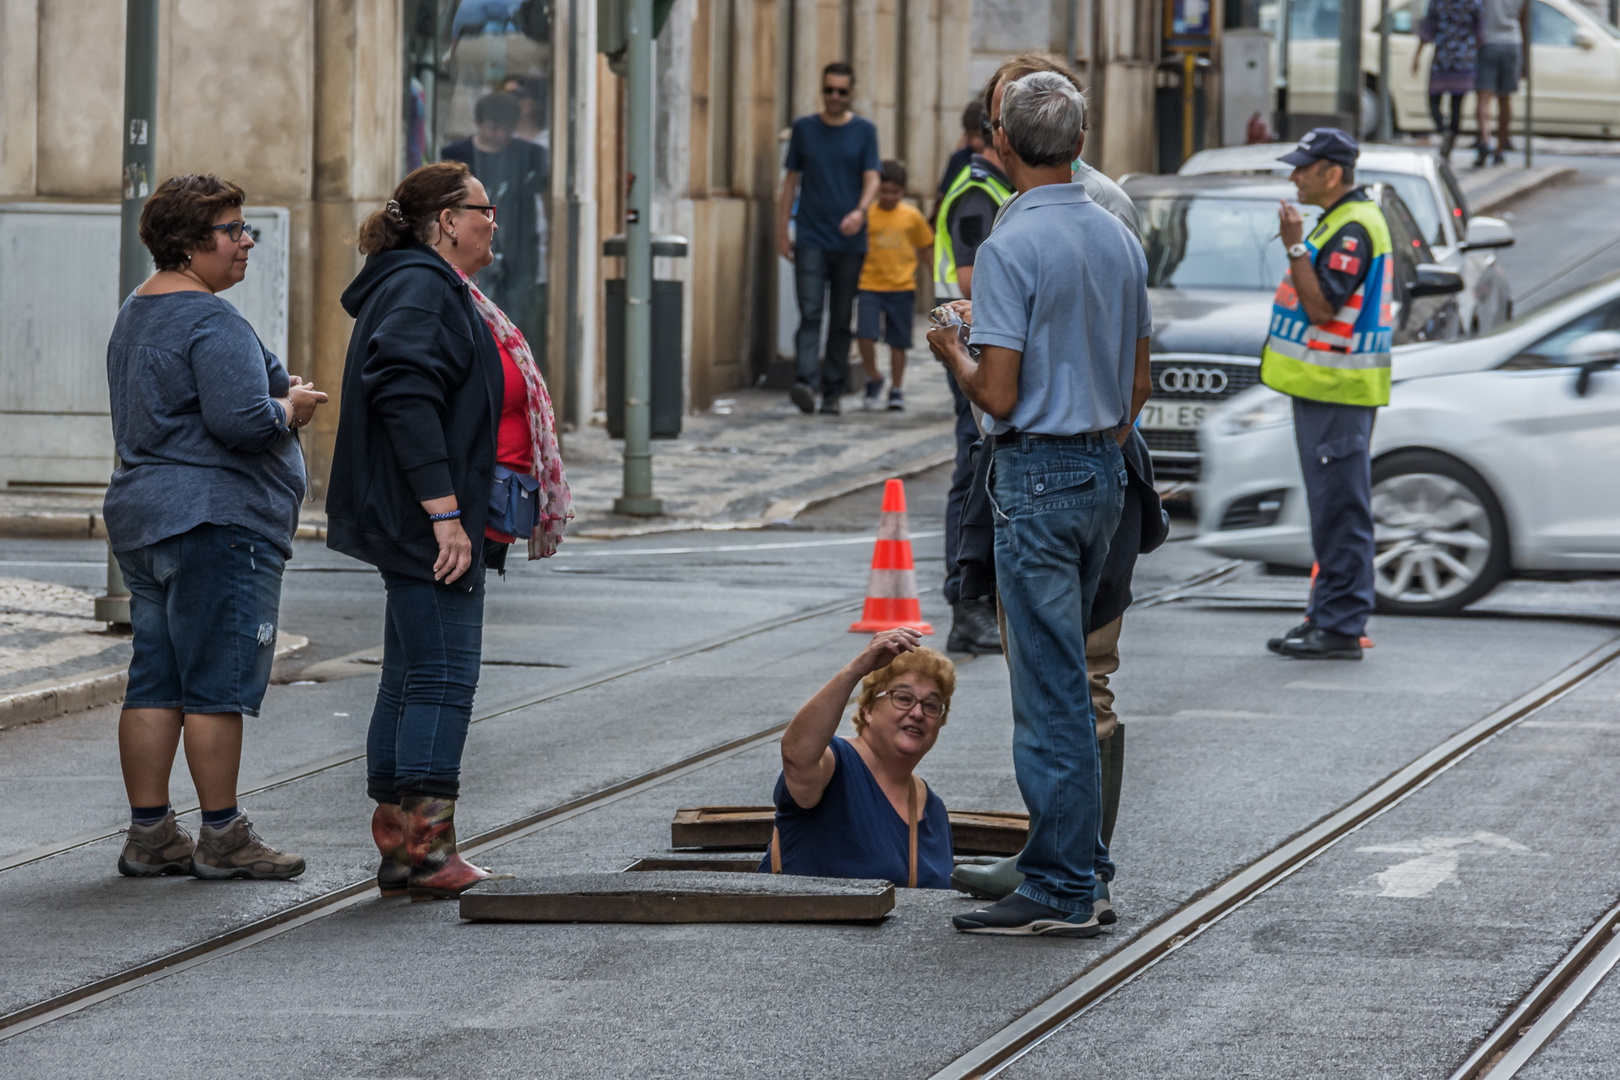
column 453, row 241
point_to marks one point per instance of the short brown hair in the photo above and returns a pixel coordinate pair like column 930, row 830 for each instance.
column 412, row 210
column 892, row 172
column 1028, row 64
column 925, row 662
column 178, row 219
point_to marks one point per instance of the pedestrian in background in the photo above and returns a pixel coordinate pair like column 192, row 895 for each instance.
column 1499, row 68
column 897, row 234
column 440, row 397
column 1455, row 28
column 1062, row 371
column 200, row 515
column 972, row 142
column 831, row 182
column 1331, row 326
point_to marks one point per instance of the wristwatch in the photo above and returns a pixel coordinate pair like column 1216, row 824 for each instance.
column 1298, row 251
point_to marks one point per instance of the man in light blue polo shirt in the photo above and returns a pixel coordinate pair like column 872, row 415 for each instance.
column 1061, row 324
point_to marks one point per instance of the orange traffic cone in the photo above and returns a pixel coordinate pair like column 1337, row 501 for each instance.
column 891, row 591
column 1316, row 568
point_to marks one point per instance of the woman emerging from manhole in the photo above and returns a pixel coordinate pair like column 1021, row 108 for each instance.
column 855, row 808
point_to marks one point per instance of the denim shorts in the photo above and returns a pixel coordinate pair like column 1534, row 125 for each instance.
column 896, row 311
column 203, row 606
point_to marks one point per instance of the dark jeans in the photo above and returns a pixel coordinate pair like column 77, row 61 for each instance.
column 1440, row 124
column 1333, row 455
column 432, row 644
column 1057, row 504
column 967, row 433
column 816, row 273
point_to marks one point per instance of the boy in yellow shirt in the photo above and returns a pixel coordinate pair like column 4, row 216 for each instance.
column 896, row 234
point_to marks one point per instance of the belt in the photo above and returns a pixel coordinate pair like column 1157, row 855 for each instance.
column 1019, row 438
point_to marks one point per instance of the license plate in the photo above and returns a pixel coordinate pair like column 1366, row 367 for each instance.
column 1172, row 416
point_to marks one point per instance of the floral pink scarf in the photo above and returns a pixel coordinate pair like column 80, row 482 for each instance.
column 556, row 503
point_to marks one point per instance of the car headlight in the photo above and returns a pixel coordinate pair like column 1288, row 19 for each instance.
column 1269, row 409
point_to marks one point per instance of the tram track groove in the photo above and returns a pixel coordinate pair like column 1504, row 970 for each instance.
column 1141, row 953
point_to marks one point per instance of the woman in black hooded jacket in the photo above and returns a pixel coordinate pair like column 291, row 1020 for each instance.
column 410, row 487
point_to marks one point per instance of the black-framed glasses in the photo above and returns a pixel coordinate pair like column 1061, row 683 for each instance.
column 905, row 701
column 487, row 210
column 835, row 91
column 235, row 229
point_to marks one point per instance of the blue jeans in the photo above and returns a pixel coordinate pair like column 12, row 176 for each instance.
column 203, row 608
column 825, row 279
column 433, row 640
column 1057, row 504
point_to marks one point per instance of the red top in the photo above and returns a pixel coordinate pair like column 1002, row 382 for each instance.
column 514, row 443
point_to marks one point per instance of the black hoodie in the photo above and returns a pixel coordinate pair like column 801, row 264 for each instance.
column 422, row 388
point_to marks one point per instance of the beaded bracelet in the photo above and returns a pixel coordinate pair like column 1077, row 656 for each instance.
column 448, row 515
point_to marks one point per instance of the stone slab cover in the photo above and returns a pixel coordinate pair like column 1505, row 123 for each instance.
column 669, row 897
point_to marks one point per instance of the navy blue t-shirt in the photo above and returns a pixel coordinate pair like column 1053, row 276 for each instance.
column 853, row 832
column 830, row 161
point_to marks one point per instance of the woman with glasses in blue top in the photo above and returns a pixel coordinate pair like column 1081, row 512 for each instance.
column 855, row 808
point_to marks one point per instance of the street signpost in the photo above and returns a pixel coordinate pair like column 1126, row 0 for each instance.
column 139, row 135
column 1385, row 124
column 1348, row 99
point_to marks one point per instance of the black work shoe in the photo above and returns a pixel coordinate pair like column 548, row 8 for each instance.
column 804, row 396
column 1019, row 916
column 973, row 628
column 1275, row 644
column 830, row 405
column 1319, row 644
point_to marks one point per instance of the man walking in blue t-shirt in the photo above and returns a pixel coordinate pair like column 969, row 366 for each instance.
column 832, row 169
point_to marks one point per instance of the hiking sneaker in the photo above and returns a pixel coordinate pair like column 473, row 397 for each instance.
column 804, row 396
column 1019, row 916
column 874, row 392
column 151, row 850
column 235, row 851
column 897, row 400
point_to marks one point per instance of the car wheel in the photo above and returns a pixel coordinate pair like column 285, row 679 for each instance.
column 1441, row 535
column 1369, row 112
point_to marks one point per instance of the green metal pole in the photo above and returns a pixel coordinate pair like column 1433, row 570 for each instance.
column 139, row 135
column 1350, row 80
column 1386, row 129
column 638, row 497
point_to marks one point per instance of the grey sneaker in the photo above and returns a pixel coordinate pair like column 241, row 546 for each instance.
column 236, row 851
column 150, row 850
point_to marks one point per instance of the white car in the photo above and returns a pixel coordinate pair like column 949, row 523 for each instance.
column 1459, row 240
column 1495, row 456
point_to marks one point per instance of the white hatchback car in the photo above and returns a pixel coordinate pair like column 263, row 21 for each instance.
column 1459, row 240
column 1495, row 456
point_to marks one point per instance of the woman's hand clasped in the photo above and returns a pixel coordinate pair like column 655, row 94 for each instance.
column 301, row 401
column 883, row 648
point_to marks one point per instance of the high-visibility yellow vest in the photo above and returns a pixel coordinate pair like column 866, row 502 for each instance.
column 1344, row 361
column 971, row 178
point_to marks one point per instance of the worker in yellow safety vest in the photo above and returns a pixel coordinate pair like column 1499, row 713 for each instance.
column 1328, row 349
column 963, row 220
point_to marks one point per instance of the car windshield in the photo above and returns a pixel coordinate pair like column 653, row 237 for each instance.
column 1197, row 242
column 1418, row 196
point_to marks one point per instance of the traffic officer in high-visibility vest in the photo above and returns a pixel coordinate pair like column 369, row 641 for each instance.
column 962, row 222
column 1328, row 349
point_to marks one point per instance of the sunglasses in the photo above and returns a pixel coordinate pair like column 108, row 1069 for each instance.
column 487, row 210
column 835, row 91
column 235, row 229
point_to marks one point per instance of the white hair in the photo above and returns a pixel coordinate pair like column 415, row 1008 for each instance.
column 1044, row 117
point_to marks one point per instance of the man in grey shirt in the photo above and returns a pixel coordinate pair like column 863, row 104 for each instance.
column 1497, row 73
column 1062, row 372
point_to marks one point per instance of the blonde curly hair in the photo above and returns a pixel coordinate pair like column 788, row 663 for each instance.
column 925, row 662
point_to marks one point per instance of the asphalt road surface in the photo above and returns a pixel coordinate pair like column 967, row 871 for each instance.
column 1391, row 947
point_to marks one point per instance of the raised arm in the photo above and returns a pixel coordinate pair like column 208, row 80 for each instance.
column 807, row 757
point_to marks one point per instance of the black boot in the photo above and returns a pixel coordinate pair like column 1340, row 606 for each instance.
column 973, row 627
column 1319, row 644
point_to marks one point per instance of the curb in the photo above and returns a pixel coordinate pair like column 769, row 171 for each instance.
column 1497, row 195
column 46, row 699
column 52, row 525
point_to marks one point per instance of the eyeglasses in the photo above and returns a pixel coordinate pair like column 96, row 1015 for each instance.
column 905, row 701
column 235, row 229
column 488, row 211
column 835, row 91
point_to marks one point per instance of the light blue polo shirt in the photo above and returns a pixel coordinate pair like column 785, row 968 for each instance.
column 1062, row 281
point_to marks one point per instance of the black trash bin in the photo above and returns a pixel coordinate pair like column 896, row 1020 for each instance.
column 666, row 343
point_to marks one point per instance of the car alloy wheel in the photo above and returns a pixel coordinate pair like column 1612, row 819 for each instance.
column 1441, row 537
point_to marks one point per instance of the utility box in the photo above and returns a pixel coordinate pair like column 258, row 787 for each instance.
column 667, row 298
column 1247, row 85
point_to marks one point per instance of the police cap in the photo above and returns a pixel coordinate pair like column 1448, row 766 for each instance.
column 1324, row 144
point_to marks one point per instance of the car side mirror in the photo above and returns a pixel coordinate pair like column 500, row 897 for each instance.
column 1488, row 232
column 1432, row 280
column 1592, row 353
column 1584, row 38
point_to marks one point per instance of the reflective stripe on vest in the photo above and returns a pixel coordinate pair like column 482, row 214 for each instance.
column 1344, row 361
column 971, row 178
